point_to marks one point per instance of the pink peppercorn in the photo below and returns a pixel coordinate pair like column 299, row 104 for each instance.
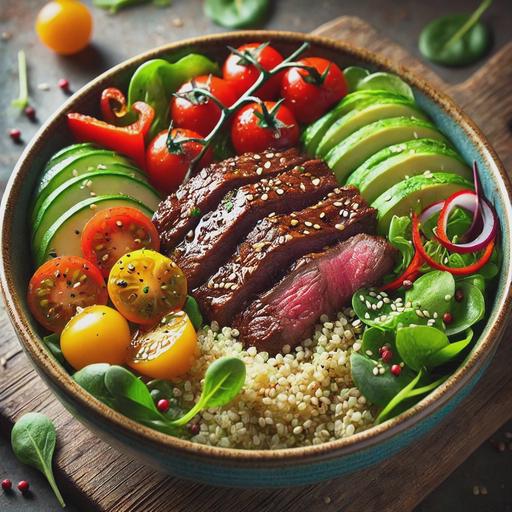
column 163, row 405
column 63, row 84
column 396, row 370
column 15, row 134
column 6, row 485
column 23, row 486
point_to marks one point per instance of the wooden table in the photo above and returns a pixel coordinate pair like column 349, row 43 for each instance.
column 100, row 478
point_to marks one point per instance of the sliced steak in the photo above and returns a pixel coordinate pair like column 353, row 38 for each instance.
column 275, row 243
column 181, row 211
column 219, row 232
column 317, row 284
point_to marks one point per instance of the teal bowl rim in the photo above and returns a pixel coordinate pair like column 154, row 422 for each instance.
column 100, row 414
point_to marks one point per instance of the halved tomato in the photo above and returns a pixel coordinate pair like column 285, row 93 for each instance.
column 146, row 285
column 112, row 233
column 167, row 351
column 60, row 286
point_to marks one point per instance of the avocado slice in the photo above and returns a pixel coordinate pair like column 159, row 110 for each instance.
column 314, row 132
column 349, row 154
column 401, row 161
column 415, row 194
column 383, row 108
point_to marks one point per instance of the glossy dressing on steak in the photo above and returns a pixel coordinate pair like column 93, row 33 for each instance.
column 275, row 243
column 180, row 212
column 218, row 233
column 317, row 284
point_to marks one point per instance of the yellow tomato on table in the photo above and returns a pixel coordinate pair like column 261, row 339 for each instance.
column 167, row 351
column 65, row 26
column 98, row 334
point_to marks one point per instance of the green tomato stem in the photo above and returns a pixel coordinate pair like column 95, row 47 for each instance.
column 471, row 21
column 22, row 100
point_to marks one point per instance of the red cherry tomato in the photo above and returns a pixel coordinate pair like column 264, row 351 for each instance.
column 243, row 75
column 112, row 233
column 167, row 170
column 256, row 128
column 309, row 100
column 202, row 115
column 61, row 285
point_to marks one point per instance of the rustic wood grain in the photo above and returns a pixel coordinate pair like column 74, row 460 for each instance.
column 100, row 478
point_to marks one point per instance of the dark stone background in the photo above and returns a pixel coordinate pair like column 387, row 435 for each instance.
column 137, row 29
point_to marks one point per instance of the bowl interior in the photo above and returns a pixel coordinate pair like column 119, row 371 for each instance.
column 18, row 267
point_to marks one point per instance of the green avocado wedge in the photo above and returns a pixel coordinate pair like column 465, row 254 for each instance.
column 348, row 155
column 93, row 184
column 64, row 235
column 401, row 161
column 415, row 194
column 314, row 132
column 383, row 108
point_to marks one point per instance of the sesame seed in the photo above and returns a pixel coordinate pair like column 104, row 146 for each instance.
column 259, row 171
column 341, row 227
column 316, row 182
column 267, row 165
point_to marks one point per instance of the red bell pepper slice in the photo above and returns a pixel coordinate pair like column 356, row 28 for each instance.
column 113, row 105
column 458, row 271
column 411, row 273
column 128, row 140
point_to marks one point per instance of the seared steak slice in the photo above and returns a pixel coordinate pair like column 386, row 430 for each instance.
column 317, row 284
column 181, row 211
column 275, row 243
column 219, row 232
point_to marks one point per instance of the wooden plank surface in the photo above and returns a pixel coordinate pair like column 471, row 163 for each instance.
column 100, row 478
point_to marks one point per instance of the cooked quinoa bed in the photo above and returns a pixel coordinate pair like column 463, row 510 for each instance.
column 296, row 398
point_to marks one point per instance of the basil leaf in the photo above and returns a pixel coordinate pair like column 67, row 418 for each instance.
column 236, row 13
column 156, row 80
column 468, row 311
column 417, row 344
column 33, row 440
column 456, row 40
column 191, row 307
column 378, row 389
column 450, row 351
column 353, row 75
column 383, row 81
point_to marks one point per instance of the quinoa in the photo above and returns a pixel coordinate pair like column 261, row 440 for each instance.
column 299, row 397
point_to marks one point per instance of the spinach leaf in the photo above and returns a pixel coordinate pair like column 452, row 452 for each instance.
column 399, row 235
column 222, row 382
column 92, row 379
column 378, row 389
column 116, row 5
column 432, row 292
column 33, row 440
column 52, row 342
column 156, row 80
column 417, row 344
column 353, row 75
column 192, row 309
column 475, row 279
column 236, row 13
column 375, row 338
column 386, row 82
column 450, row 351
column 456, row 40
column 468, row 311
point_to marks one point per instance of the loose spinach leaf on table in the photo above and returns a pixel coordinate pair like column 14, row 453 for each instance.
column 33, row 440
column 236, row 13
column 456, row 40
column 156, row 80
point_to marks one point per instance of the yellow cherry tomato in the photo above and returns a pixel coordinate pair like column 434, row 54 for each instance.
column 65, row 26
column 145, row 285
column 167, row 351
column 98, row 334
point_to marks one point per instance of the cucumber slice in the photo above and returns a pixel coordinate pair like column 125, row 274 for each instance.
column 64, row 236
column 348, row 155
column 75, row 166
column 82, row 187
column 73, row 150
column 314, row 132
column 384, row 108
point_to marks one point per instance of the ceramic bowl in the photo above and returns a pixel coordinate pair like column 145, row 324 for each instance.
column 219, row 466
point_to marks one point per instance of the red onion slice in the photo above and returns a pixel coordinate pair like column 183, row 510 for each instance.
column 476, row 224
column 430, row 211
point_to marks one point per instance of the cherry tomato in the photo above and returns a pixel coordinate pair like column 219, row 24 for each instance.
column 146, row 285
column 307, row 99
column 65, row 26
column 242, row 74
column 167, row 351
column 257, row 128
column 61, row 285
column 97, row 334
column 112, row 233
column 202, row 115
column 167, row 170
